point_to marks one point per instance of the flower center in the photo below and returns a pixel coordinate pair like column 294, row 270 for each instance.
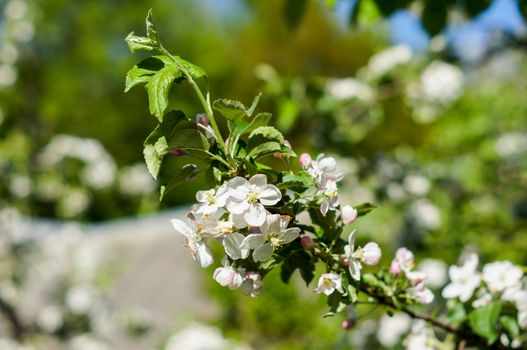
column 331, row 193
column 252, row 197
column 326, row 282
column 211, row 199
column 358, row 254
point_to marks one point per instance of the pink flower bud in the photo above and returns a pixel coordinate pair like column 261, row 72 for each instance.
column 349, row 214
column 395, row 269
column 422, row 294
column 347, row 324
column 178, row 152
column 345, row 262
column 305, row 160
column 202, row 119
column 403, row 261
column 252, row 284
column 307, row 242
column 372, row 253
column 228, row 277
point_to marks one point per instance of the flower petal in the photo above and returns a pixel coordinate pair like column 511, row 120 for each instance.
column 253, row 241
column 203, row 255
column 263, row 252
column 355, row 268
column 269, row 195
column 289, row 235
column 237, row 207
column 258, row 180
column 182, row 228
column 255, row 215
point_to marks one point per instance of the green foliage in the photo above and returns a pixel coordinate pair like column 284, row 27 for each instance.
column 484, row 321
column 158, row 88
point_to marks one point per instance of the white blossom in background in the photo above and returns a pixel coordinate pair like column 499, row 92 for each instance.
column 370, row 254
column 520, row 299
column 10, row 344
column 135, row 180
column 50, row 318
column 348, row 88
column 391, row 329
column 442, row 82
column 80, row 298
column 511, row 143
column 8, row 75
column 464, row 280
column 328, row 283
column 8, row 53
column 87, row 342
column 20, row 186
column 274, row 233
column 425, row 214
column 384, row 61
column 249, row 198
column 402, row 262
column 501, row 275
column 420, row 338
column 74, row 202
column 16, row 9
column 436, row 270
column 416, row 185
column 201, row 337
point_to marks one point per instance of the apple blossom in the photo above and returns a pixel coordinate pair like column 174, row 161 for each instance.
column 305, row 160
column 248, row 197
column 464, row 280
column 252, row 284
column 370, row 254
column 349, row 214
column 421, row 293
column 330, row 198
column 501, row 275
column 273, row 234
column 228, row 277
column 328, row 282
column 403, row 261
column 211, row 200
column 195, row 241
column 324, row 169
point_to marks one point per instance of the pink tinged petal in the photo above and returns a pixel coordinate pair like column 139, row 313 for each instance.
column 232, row 244
column 203, row 255
column 182, row 228
column 253, row 241
column 269, row 195
column 255, row 215
column 258, row 180
column 372, row 253
column 305, row 160
column 237, row 207
column 324, row 207
column 290, row 235
column 351, row 240
column 263, row 252
column 354, row 268
column 395, row 268
column 349, row 214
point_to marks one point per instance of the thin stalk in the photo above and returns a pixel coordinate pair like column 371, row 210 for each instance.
column 204, row 102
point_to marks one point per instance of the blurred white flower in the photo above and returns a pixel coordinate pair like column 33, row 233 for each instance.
column 425, row 214
column 442, row 82
column 228, row 277
column 416, row 185
column 87, row 342
column 436, row 270
column 402, row 262
column 99, row 174
column 328, row 282
column 136, row 180
column 384, row 61
column 23, row 30
column 9, row 291
column 464, row 279
column 349, row 214
column 50, row 318
column 80, row 298
column 15, row 9
column 8, row 75
column 197, row 337
column 501, row 275
column 512, row 143
column 8, row 53
column 347, row 88
column 391, row 329
column 74, row 202
column 20, row 186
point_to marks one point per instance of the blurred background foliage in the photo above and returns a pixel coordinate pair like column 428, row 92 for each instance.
column 422, row 101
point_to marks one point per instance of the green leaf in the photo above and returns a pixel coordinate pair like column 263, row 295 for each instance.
column 230, row 109
column 151, row 30
column 186, row 173
column 251, row 109
column 192, row 70
column 364, row 208
column 511, row 326
column 298, row 183
column 136, row 43
column 158, row 88
column 294, row 11
column 264, row 134
column 261, row 119
column 143, row 72
column 264, row 149
column 456, row 313
column 483, row 321
column 152, row 159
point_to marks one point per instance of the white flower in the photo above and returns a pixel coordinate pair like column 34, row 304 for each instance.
column 211, row 200
column 442, row 82
column 79, row 299
column 195, row 240
column 197, row 337
column 252, row 284
column 436, row 271
column 328, row 282
column 305, row 160
column 347, row 88
column 349, row 214
column 402, row 262
column 273, row 234
column 464, row 280
column 50, row 318
column 324, row 169
column 369, row 255
column 330, row 199
column 228, row 277
column 384, row 61
column 392, row 328
column 135, row 180
column 249, row 197
column 425, row 214
column 484, row 298
column 422, row 294
column 231, row 239
column 501, row 275
column 520, row 298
